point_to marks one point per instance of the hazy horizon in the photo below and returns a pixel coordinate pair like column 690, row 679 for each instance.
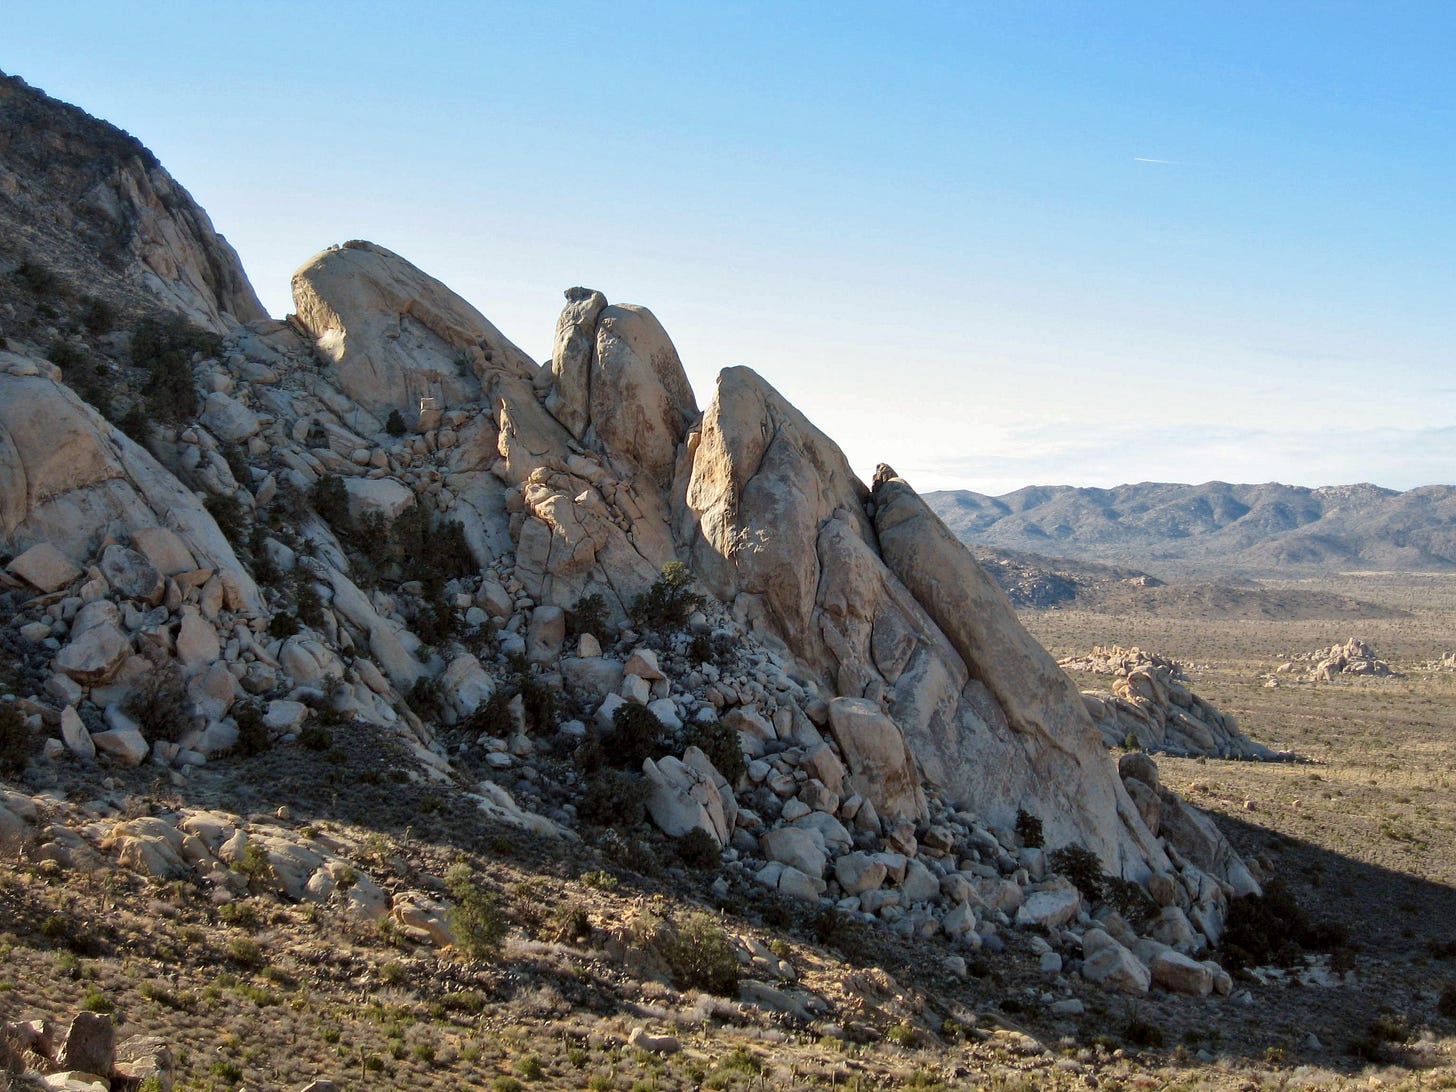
column 991, row 246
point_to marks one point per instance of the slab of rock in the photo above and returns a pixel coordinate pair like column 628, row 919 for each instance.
column 90, row 1044
column 45, row 568
column 881, row 766
column 1108, row 963
column 164, row 549
column 131, row 574
column 859, row 872
column 386, row 496
column 796, row 848
column 228, row 419
column 1050, row 907
column 466, row 684
column 76, row 736
column 197, row 643
column 126, row 745
column 680, row 799
column 95, row 656
column 1177, row 973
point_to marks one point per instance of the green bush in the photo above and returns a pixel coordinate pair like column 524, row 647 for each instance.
column 227, row 512
column 614, row 799
column 1273, row 928
column 701, row 957
column 17, row 741
column 394, row 425
column 1029, row 830
column 492, row 717
column 427, row 698
column 636, row 735
column 723, row 747
column 330, row 499
column 136, row 424
column 40, row 279
column 476, row 919
column 1446, row 1003
column 164, row 347
column 253, row 737
column 1083, row 867
column 699, row 850
column 669, row 602
column 589, row 616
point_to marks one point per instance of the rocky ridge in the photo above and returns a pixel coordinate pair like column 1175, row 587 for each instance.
column 386, row 516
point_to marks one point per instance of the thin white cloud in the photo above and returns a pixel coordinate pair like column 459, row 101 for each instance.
column 1159, row 162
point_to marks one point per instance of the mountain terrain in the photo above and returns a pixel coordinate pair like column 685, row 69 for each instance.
column 1216, row 530
column 422, row 715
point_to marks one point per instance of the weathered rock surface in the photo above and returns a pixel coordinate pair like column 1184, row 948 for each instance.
column 393, row 334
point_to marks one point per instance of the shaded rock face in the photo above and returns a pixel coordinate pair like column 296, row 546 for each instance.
column 87, row 188
column 395, row 335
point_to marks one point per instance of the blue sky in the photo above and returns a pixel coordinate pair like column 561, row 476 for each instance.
column 991, row 244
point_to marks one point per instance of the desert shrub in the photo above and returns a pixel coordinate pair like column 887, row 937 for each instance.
column 1273, row 928
column 701, row 956
column 430, row 551
column 589, row 616
column 99, row 316
column 699, row 850
column 1446, row 1003
column 492, row 717
column 613, row 799
column 1029, row 829
column 1131, row 900
column 700, row 648
column 476, row 919
column 372, row 539
column 427, row 697
column 227, row 512
column 394, row 424
column 330, row 499
column 160, row 705
column 37, row 277
column 722, row 746
column 905, row 1035
column 315, row 737
column 282, row 625
column 1140, row 1033
column 164, row 347
column 307, row 602
column 834, row 928
column 17, row 741
column 136, row 424
column 636, row 735
column 252, row 864
column 539, row 701
column 1083, row 867
column 253, row 738
column 667, row 604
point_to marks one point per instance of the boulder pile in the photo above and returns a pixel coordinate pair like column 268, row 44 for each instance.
column 1151, row 706
column 1354, row 657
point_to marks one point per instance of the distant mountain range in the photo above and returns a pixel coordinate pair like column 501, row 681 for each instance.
column 1198, row 531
